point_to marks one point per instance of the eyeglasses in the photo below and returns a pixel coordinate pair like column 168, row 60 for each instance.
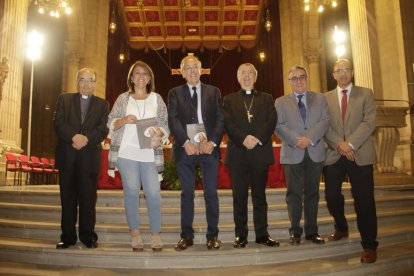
column 86, row 81
column 295, row 79
column 345, row 70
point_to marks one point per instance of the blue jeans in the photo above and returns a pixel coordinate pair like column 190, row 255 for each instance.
column 134, row 174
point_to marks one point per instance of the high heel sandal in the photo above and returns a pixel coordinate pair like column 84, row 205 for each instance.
column 156, row 243
column 136, row 241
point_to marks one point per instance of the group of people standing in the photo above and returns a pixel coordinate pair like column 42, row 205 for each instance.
column 329, row 133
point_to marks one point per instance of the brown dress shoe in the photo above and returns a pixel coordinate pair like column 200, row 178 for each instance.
column 213, row 243
column 338, row 235
column 369, row 256
column 294, row 239
column 183, row 244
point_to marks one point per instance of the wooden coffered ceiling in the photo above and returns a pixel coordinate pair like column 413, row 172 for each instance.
column 174, row 24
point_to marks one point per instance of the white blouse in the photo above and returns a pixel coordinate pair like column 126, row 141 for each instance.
column 142, row 109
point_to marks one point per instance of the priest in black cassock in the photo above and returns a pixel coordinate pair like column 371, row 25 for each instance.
column 250, row 119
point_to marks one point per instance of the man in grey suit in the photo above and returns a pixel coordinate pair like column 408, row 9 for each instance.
column 302, row 122
column 351, row 152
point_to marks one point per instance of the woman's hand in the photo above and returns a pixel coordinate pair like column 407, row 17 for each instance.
column 129, row 119
column 156, row 141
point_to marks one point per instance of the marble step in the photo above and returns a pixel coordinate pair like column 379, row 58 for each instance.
column 109, row 255
column 118, row 232
column 49, row 194
column 115, row 214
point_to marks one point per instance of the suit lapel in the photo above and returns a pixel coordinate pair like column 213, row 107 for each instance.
column 76, row 103
column 91, row 108
column 294, row 103
column 351, row 102
column 335, row 111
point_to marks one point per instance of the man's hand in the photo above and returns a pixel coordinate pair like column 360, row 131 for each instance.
column 79, row 141
column 346, row 150
column 190, row 148
column 250, row 142
column 206, row 147
column 303, row 142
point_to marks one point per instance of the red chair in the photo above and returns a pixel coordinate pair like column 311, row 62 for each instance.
column 25, row 167
column 47, row 170
column 12, row 165
column 55, row 171
column 37, row 170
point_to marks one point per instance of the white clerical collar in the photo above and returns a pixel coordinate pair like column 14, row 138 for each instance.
column 248, row 92
column 85, row 97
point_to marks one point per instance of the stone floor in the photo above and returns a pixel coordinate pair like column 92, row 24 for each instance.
column 324, row 266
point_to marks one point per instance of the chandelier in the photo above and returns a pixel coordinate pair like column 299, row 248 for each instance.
column 319, row 4
column 53, row 7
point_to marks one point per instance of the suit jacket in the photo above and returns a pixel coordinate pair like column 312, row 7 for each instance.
column 359, row 125
column 290, row 125
column 180, row 113
column 238, row 127
column 67, row 123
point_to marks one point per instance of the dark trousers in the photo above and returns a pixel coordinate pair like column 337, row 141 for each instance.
column 302, row 182
column 78, row 186
column 242, row 175
column 362, row 184
column 186, row 173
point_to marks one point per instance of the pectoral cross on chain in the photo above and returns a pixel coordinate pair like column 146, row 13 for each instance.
column 249, row 115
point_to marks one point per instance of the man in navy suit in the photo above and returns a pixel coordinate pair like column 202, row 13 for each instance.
column 80, row 124
column 302, row 122
column 250, row 119
column 196, row 103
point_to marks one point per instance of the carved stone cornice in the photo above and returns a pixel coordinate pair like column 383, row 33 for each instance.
column 312, row 55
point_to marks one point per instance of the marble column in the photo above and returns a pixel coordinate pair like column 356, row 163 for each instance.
column 12, row 47
column 361, row 52
column 72, row 66
column 313, row 57
column 12, row 43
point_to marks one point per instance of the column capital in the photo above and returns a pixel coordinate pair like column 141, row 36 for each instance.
column 312, row 55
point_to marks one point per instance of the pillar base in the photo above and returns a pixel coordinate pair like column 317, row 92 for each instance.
column 383, row 179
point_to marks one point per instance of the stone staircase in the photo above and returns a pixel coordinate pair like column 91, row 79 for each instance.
column 30, row 228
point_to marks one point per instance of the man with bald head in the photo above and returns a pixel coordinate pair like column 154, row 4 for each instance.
column 250, row 119
column 80, row 123
column 351, row 152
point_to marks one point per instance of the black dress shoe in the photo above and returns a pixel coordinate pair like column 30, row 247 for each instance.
column 213, row 243
column 183, row 244
column 337, row 235
column 91, row 244
column 240, row 242
column 315, row 238
column 294, row 239
column 268, row 241
column 63, row 245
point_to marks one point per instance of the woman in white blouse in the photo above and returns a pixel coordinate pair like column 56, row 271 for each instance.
column 139, row 165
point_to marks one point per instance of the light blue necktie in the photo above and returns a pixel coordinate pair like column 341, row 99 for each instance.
column 302, row 108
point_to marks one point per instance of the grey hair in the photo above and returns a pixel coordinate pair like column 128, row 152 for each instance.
column 297, row 67
column 248, row 64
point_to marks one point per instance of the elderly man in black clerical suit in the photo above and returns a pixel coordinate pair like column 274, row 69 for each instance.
column 189, row 104
column 250, row 119
column 80, row 124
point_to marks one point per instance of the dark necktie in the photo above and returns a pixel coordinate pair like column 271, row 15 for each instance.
column 302, row 108
column 344, row 104
column 194, row 103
